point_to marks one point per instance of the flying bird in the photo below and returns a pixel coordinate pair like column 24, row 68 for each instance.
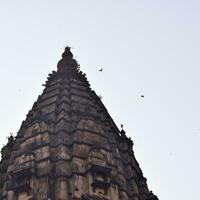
column 100, row 70
column 142, row 96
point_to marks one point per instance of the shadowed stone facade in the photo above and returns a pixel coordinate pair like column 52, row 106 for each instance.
column 69, row 148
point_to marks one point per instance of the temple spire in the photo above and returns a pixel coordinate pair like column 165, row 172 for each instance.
column 69, row 147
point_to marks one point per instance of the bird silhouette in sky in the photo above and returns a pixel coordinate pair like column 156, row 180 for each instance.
column 142, row 96
column 100, row 70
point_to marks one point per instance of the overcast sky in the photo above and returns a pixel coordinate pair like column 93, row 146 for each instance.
column 148, row 48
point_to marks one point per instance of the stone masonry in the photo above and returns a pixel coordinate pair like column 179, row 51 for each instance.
column 69, row 148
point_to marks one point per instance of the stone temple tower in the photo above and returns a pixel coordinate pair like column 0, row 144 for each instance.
column 69, row 148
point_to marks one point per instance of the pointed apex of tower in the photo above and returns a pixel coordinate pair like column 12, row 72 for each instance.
column 67, row 53
column 67, row 63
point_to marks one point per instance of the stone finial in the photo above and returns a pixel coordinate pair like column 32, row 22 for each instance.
column 67, row 63
column 67, row 53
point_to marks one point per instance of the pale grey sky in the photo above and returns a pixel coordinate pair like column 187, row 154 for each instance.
column 146, row 47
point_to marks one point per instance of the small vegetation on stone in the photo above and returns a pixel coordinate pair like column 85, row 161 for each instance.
column 6, row 149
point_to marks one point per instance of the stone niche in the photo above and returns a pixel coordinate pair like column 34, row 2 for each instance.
column 22, row 183
column 100, row 182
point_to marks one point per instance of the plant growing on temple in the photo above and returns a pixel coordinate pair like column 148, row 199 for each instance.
column 6, row 149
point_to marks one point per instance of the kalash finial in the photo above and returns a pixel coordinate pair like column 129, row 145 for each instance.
column 67, row 63
column 67, row 53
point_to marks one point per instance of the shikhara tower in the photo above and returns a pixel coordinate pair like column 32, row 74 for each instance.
column 69, row 147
